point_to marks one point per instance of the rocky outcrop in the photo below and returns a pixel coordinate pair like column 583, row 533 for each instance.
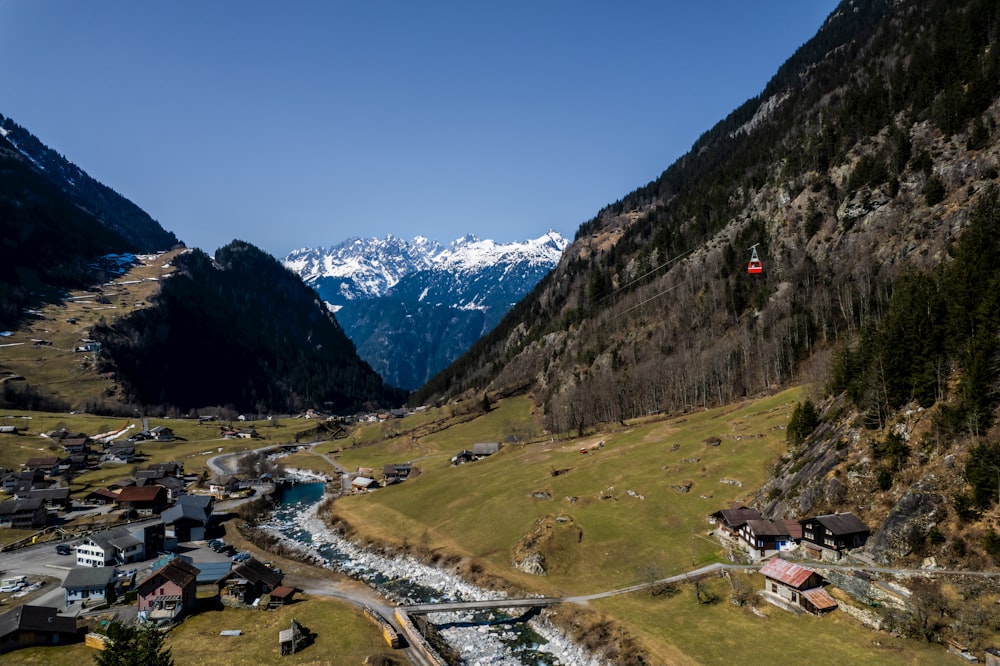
column 917, row 511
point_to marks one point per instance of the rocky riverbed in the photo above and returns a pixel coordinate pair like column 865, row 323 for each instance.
column 480, row 640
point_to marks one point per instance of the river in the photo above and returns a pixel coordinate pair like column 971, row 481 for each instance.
column 483, row 638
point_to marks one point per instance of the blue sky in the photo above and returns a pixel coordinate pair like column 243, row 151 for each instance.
column 294, row 124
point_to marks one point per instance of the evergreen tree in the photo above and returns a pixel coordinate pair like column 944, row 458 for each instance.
column 134, row 645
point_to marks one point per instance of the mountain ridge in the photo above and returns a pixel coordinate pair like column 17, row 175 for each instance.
column 411, row 307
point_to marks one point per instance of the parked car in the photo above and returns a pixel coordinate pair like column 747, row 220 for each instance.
column 63, row 549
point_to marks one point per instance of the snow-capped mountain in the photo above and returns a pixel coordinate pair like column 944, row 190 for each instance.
column 363, row 268
column 412, row 307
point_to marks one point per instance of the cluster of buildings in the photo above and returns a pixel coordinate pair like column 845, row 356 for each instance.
column 827, row 537
column 164, row 596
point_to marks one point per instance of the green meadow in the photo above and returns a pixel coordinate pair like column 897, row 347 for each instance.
column 620, row 508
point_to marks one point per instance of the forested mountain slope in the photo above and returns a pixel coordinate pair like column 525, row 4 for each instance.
column 238, row 331
column 858, row 163
column 55, row 220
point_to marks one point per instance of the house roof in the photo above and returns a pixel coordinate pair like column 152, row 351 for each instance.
column 203, row 502
column 485, row 448
column 116, row 538
column 842, row 523
column 41, row 462
column 141, row 493
column 794, row 528
column 176, row 571
column 12, row 506
column 362, row 481
column 786, row 572
column 768, row 527
column 819, row 598
column 282, row 592
column 171, row 467
column 102, row 492
column 89, row 577
column 180, row 511
column 170, row 483
column 35, row 618
column 736, row 517
column 49, row 493
column 255, row 571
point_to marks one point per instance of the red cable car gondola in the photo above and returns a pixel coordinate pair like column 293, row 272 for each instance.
column 755, row 266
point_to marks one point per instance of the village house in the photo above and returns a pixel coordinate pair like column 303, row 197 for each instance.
column 114, row 546
column 171, row 468
column 396, row 473
column 729, row 521
column 23, row 513
column 231, row 487
column 187, row 518
column 25, row 480
column 484, row 449
column 175, row 487
column 30, row 626
column 247, row 582
column 169, row 592
column 90, row 585
column 828, row 537
column 143, row 500
column 363, row 484
column 797, row 586
column 462, row 457
column 119, row 453
column 101, row 496
column 75, row 445
column 763, row 538
column 54, row 499
column 280, row 596
column 49, row 466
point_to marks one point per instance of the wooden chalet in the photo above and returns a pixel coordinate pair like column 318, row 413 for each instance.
column 169, row 592
column 462, row 457
column 54, row 499
column 101, row 496
column 23, row 513
column 729, row 521
column 143, row 500
column 484, row 449
column 30, row 626
column 24, row 480
column 396, row 473
column 828, row 537
column 280, row 596
column 49, row 466
column 76, row 445
column 762, row 538
column 797, row 586
column 247, row 583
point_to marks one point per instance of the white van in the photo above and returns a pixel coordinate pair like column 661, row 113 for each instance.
column 12, row 584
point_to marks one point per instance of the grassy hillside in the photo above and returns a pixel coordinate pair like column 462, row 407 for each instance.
column 609, row 537
column 344, row 636
column 56, row 369
column 619, row 510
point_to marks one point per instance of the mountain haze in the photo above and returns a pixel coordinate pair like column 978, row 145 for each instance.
column 412, row 307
